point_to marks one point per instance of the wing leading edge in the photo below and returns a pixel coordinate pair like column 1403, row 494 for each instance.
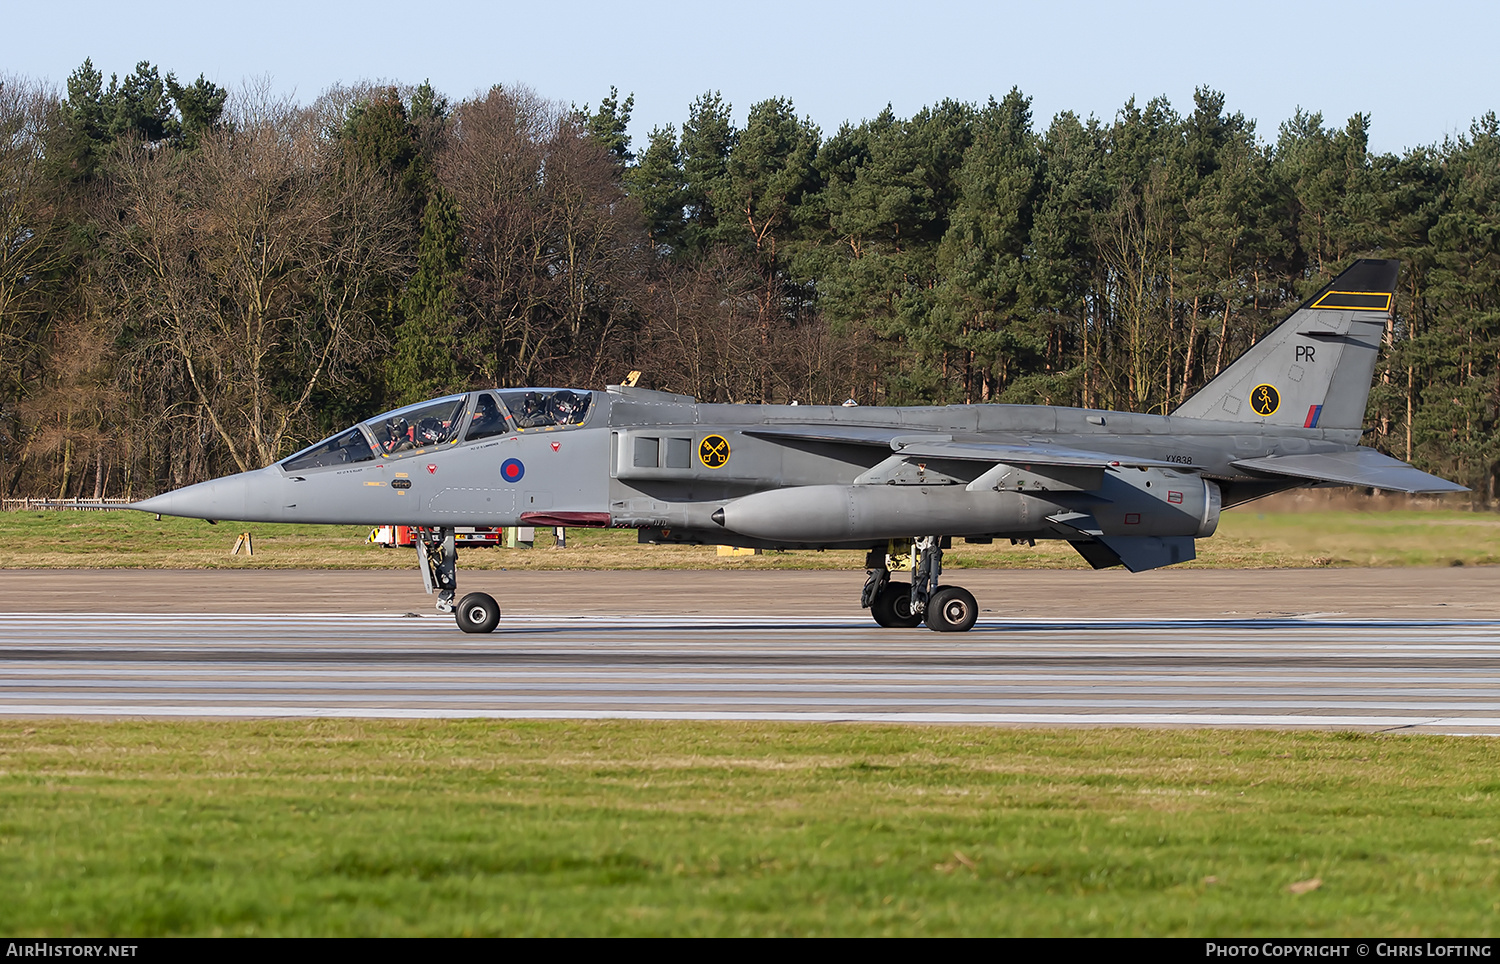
column 936, row 446
column 1013, row 454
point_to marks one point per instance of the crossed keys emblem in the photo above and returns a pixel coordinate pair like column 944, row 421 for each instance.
column 1265, row 399
column 713, row 451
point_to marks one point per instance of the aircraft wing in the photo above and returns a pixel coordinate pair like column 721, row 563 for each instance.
column 872, row 435
column 1013, row 453
column 1361, row 466
column 936, row 446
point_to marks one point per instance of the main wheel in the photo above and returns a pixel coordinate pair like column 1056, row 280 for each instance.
column 477, row 613
column 952, row 609
column 892, row 608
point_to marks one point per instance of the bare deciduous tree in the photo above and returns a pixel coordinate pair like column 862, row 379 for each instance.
column 27, row 251
column 555, row 250
column 252, row 262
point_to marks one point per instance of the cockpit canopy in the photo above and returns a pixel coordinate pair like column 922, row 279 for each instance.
column 419, row 426
column 547, row 408
column 444, row 422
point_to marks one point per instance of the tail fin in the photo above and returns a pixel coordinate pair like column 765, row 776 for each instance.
column 1314, row 369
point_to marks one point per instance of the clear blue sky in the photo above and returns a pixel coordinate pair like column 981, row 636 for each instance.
column 1423, row 71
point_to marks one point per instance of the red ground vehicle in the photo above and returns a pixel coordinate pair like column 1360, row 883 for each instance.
column 402, row 536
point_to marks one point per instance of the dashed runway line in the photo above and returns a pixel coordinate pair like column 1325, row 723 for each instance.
column 1328, row 671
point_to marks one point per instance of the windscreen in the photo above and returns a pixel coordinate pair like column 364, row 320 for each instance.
column 348, row 446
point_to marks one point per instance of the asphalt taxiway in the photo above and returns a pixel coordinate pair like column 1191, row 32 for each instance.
column 1358, row 649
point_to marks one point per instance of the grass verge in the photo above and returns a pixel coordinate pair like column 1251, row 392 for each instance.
column 1246, row 539
column 429, row 828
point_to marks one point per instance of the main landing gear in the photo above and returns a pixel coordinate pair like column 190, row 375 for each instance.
column 438, row 559
column 901, row 605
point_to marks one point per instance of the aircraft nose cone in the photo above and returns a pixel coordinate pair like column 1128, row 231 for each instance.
column 242, row 497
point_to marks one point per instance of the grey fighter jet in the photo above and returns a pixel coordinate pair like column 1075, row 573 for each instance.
column 1124, row 489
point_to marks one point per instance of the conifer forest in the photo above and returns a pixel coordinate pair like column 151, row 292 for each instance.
column 194, row 282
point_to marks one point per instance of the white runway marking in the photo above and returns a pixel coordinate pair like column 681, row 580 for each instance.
column 1328, row 672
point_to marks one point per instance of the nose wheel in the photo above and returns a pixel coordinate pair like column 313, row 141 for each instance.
column 477, row 613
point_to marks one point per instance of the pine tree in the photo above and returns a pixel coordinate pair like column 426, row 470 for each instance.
column 770, row 173
column 427, row 105
column 982, row 256
column 380, row 133
column 81, row 136
column 608, row 125
column 1459, row 419
column 658, row 187
column 1061, row 260
column 201, row 105
column 424, row 361
column 708, row 137
column 140, row 106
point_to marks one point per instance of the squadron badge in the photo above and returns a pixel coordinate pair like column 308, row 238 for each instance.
column 1265, row 399
column 713, row 451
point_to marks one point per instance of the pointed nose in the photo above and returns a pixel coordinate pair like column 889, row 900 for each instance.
column 246, row 497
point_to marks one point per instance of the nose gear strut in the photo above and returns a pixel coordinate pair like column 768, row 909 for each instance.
column 437, row 557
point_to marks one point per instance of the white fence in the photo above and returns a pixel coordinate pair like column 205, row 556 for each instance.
column 27, row 505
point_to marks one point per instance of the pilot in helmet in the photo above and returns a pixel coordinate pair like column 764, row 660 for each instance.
column 429, row 431
column 533, row 411
column 398, row 434
column 563, row 406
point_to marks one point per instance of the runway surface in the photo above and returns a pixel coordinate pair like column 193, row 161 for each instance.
column 1316, row 670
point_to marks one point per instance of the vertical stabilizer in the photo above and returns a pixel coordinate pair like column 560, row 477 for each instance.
column 1314, row 369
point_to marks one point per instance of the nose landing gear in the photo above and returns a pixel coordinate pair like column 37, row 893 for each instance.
column 437, row 557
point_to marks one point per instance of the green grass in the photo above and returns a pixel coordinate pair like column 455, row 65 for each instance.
column 1253, row 536
column 413, row 828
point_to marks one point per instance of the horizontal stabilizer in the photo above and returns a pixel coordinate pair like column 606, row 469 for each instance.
column 1361, row 466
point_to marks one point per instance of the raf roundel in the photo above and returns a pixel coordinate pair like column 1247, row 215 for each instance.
column 511, row 470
